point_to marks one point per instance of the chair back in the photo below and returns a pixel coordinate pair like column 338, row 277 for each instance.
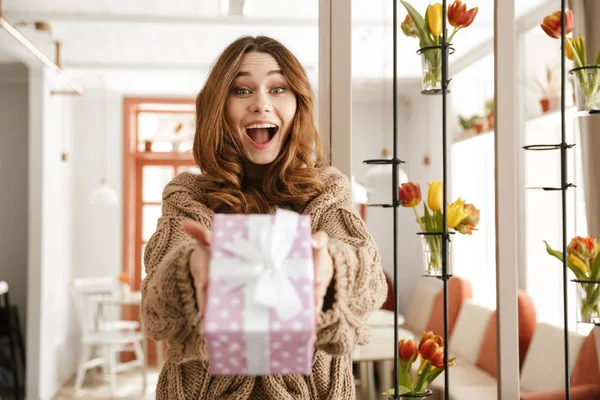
column 459, row 290
column 541, row 370
column 469, row 331
column 86, row 308
column 420, row 307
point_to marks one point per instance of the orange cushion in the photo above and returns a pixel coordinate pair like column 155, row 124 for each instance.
column 586, row 368
column 487, row 359
column 389, row 300
column 459, row 290
column 584, row 392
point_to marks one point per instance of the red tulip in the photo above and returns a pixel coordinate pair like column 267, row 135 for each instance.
column 410, row 194
column 467, row 225
column 408, row 27
column 428, row 349
column 552, row 24
column 583, row 247
column 438, row 358
column 429, row 335
column 406, row 349
column 459, row 17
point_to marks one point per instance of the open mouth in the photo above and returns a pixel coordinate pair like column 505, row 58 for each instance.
column 261, row 135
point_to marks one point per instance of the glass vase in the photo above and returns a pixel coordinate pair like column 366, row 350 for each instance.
column 588, row 301
column 431, row 65
column 587, row 87
column 432, row 255
column 424, row 395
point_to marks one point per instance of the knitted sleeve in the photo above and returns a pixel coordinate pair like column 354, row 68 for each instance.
column 358, row 285
column 169, row 308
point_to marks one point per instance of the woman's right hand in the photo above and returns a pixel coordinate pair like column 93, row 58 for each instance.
column 199, row 260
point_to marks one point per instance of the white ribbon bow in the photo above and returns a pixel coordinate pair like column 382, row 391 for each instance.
column 262, row 269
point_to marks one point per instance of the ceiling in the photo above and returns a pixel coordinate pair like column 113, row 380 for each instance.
column 167, row 46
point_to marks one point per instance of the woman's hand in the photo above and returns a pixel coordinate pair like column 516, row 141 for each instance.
column 199, row 260
column 323, row 267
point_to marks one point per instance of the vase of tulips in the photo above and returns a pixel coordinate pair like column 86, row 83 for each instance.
column 586, row 74
column 428, row 29
column 583, row 260
column 414, row 380
column 460, row 217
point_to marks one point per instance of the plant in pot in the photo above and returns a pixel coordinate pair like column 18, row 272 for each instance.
column 550, row 90
column 489, row 113
column 467, row 124
column 428, row 29
column 148, row 146
column 583, row 261
column 460, row 217
column 586, row 74
column 415, row 382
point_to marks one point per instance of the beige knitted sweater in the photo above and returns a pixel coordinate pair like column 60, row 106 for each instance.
column 169, row 308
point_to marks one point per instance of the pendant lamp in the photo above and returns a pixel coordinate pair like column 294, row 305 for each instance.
column 104, row 194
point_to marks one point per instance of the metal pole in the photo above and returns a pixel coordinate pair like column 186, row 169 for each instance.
column 445, row 238
column 564, row 187
column 395, row 202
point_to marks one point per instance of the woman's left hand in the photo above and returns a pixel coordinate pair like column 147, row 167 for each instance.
column 323, row 267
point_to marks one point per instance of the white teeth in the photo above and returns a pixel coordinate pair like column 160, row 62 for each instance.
column 258, row 126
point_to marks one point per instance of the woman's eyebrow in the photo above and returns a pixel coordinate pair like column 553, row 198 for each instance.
column 274, row 72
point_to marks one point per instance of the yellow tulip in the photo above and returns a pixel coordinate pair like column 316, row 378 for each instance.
column 434, row 18
column 456, row 213
column 434, row 197
column 580, row 265
column 573, row 44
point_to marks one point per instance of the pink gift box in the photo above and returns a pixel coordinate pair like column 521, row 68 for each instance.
column 260, row 317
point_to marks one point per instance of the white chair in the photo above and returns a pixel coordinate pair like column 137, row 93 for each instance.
column 540, row 371
column 109, row 337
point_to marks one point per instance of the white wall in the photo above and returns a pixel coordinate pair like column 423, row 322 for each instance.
column 51, row 334
column 417, row 129
column 13, row 180
column 97, row 151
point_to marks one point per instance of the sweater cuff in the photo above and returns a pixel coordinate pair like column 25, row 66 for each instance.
column 174, row 317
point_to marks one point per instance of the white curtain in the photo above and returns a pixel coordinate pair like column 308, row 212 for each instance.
column 586, row 24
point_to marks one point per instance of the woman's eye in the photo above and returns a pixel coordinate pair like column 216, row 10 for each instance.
column 278, row 90
column 241, row 91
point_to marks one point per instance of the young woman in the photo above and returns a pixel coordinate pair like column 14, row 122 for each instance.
column 258, row 149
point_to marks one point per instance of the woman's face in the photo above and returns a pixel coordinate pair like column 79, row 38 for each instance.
column 261, row 106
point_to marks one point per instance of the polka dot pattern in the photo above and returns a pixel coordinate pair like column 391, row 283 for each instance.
column 290, row 341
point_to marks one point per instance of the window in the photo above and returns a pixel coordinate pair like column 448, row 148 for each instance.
column 159, row 136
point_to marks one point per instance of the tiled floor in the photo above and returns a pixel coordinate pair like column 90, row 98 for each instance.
column 128, row 386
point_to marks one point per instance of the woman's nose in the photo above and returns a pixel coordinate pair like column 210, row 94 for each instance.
column 261, row 104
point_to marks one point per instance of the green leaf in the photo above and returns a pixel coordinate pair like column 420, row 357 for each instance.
column 401, row 390
column 597, row 60
column 429, row 223
column 559, row 255
column 422, row 29
column 423, row 378
column 595, row 275
column 553, row 252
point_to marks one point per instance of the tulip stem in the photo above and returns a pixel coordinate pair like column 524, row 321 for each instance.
column 419, row 220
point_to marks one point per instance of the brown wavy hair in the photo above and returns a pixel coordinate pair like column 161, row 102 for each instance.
column 292, row 179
